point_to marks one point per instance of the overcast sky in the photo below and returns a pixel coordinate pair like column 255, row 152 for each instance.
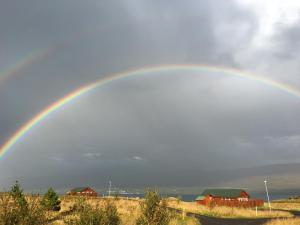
column 153, row 129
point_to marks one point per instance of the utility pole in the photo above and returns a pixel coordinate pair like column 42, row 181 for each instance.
column 109, row 188
column 268, row 195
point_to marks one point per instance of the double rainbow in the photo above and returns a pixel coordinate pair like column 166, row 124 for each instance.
column 22, row 63
column 25, row 129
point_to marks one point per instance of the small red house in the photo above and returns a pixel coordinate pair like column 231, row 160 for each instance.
column 227, row 197
column 82, row 191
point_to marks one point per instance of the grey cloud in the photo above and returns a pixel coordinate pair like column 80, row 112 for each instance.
column 92, row 155
column 287, row 42
column 177, row 125
column 137, row 158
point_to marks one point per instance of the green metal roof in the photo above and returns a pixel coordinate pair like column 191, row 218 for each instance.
column 200, row 197
column 78, row 189
column 223, row 192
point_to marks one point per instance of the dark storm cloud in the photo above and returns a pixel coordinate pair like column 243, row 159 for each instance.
column 93, row 39
column 138, row 131
column 278, row 53
column 287, row 40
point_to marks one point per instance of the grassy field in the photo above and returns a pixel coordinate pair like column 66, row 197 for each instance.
column 128, row 209
column 286, row 204
column 289, row 221
column 226, row 212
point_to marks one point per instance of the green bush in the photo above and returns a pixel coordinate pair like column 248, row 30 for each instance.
column 35, row 215
column 17, row 193
column 87, row 215
column 15, row 210
column 111, row 215
column 154, row 210
column 51, row 200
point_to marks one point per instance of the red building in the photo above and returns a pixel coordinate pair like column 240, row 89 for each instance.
column 227, row 197
column 82, row 191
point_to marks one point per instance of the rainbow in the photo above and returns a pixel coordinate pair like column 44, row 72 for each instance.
column 23, row 130
column 22, row 63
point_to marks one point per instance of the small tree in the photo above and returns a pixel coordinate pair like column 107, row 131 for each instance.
column 15, row 210
column 51, row 200
column 153, row 213
column 17, row 194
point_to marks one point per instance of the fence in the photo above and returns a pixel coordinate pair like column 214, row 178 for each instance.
column 232, row 203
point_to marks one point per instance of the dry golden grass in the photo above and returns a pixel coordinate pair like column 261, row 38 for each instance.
column 57, row 222
column 34, row 198
column 289, row 221
column 226, row 212
column 186, row 221
column 294, row 200
column 288, row 205
column 128, row 209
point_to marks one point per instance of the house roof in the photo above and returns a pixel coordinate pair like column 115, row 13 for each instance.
column 223, row 192
column 200, row 197
column 79, row 189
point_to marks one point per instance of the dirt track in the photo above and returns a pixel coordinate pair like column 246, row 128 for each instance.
column 205, row 220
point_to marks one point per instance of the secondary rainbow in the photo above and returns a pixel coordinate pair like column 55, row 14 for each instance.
column 23, row 130
column 22, row 63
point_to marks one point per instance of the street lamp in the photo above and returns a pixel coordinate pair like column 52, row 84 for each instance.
column 268, row 195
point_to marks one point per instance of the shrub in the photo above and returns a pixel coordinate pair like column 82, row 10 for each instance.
column 17, row 193
column 154, row 211
column 51, row 200
column 87, row 215
column 111, row 215
column 35, row 215
column 79, row 205
column 178, row 199
column 15, row 210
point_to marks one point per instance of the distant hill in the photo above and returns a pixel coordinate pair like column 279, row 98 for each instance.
column 281, row 177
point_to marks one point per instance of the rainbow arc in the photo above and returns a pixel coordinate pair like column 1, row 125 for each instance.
column 38, row 118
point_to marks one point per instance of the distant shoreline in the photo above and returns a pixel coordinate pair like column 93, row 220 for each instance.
column 192, row 197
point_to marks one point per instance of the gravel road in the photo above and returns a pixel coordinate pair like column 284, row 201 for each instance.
column 206, row 220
